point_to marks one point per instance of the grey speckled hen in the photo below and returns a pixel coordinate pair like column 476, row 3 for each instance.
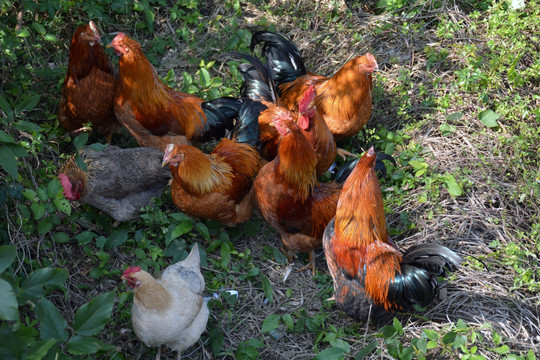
column 117, row 181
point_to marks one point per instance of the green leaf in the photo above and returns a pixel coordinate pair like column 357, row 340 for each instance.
column 459, row 341
column 501, row 350
column 45, row 226
column 117, row 238
column 4, row 105
column 288, row 321
column 52, row 324
column 63, row 205
column 489, row 118
column 432, row 335
column 28, row 103
column 216, row 340
column 183, row 228
column 267, row 288
column 38, row 209
column 85, row 237
column 449, row 337
column 43, row 281
column 83, row 345
column 6, row 138
column 92, row 317
column 397, row 326
column 454, row 188
column 365, row 350
column 225, row 255
column 432, row 344
column 23, row 32
column 270, row 323
column 333, row 353
column 454, row 116
column 53, row 188
column 27, row 126
column 447, row 129
column 203, row 230
column 8, row 161
column 204, row 77
column 61, row 237
column 9, row 307
column 8, row 253
column 80, row 141
column 38, row 350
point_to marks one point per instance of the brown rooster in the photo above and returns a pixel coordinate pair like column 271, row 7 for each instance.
column 370, row 275
column 289, row 195
column 344, row 100
column 117, row 181
column 259, row 85
column 156, row 115
column 170, row 310
column 217, row 186
column 88, row 90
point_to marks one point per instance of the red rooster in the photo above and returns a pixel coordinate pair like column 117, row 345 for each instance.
column 344, row 100
column 155, row 114
column 369, row 273
column 88, row 90
column 289, row 196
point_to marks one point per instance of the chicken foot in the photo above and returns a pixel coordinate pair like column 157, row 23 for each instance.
column 344, row 153
column 311, row 263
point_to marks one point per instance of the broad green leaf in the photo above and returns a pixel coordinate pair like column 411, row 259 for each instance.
column 28, row 103
column 447, row 129
column 9, row 307
column 27, row 126
column 4, row 105
column 61, row 237
column 288, row 321
column 333, row 353
column 6, row 138
column 38, row 209
column 51, row 323
column 204, row 77
column 8, row 253
column 432, row 335
column 53, row 188
column 8, row 161
column 83, row 345
column 183, row 228
column 454, row 188
column 92, row 317
column 397, row 326
column 501, row 350
column 63, row 205
column 80, row 141
column 23, row 32
column 449, row 337
column 454, row 116
column 38, row 350
column 366, row 350
column 267, row 288
column 117, row 238
column 225, row 255
column 39, row 28
column 216, row 340
column 270, row 323
column 98, row 146
column 85, row 237
column 45, row 225
column 489, row 118
column 459, row 341
column 50, row 37
column 43, row 281
column 203, row 230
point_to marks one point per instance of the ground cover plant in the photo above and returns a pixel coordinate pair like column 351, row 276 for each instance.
column 456, row 103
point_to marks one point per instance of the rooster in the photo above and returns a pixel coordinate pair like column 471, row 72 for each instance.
column 117, row 181
column 344, row 100
column 369, row 274
column 217, row 186
column 156, row 115
column 259, row 85
column 170, row 310
column 289, row 196
column 89, row 85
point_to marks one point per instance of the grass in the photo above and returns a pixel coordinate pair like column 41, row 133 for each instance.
column 456, row 103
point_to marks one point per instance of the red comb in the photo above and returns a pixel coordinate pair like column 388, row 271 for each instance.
column 307, row 99
column 131, row 270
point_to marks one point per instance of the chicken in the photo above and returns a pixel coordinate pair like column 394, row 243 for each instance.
column 369, row 273
column 170, row 310
column 289, row 196
column 156, row 115
column 117, row 181
column 217, row 186
column 89, row 85
column 344, row 100
column 259, row 85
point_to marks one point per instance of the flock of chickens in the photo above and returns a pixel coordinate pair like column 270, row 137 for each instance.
column 275, row 139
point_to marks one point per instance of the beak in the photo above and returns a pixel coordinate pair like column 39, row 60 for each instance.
column 165, row 162
column 123, row 278
column 272, row 124
column 109, row 45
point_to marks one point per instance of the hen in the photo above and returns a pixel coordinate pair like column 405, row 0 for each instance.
column 156, row 115
column 289, row 196
column 217, row 186
column 370, row 275
column 170, row 310
column 117, row 181
column 344, row 100
column 89, row 85
column 259, row 85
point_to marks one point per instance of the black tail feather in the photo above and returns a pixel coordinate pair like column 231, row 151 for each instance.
column 220, row 115
column 258, row 83
column 420, row 267
column 282, row 55
column 246, row 129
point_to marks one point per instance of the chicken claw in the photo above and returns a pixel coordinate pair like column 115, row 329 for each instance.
column 344, row 153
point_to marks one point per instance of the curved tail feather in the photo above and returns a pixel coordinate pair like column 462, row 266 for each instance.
column 220, row 116
column 258, row 82
column 420, row 267
column 345, row 170
column 282, row 55
column 246, row 129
